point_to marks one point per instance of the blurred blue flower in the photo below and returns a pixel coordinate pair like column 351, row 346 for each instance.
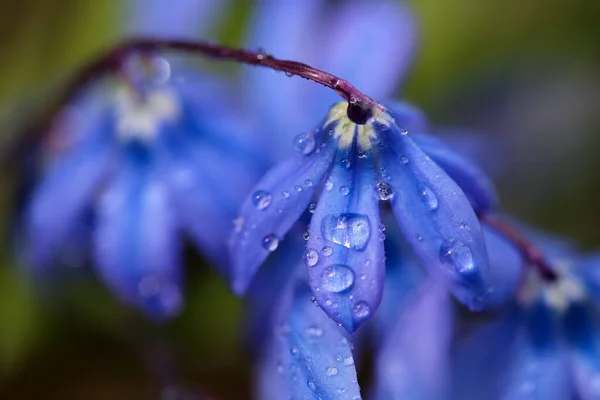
column 141, row 160
column 352, row 168
column 546, row 345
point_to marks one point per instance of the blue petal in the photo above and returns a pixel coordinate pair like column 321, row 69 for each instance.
column 274, row 205
column 136, row 246
column 583, row 337
column 345, row 256
column 60, row 200
column 471, row 179
column 308, row 356
column 482, row 355
column 408, row 117
column 434, row 214
column 375, row 62
column 207, row 177
column 506, row 268
column 539, row 367
column 413, row 363
column 282, row 28
column 174, row 18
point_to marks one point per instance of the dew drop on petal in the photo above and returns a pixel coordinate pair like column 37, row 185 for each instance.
column 314, row 331
column 403, row 131
column 331, row 371
column 344, row 190
column 270, row 242
column 285, row 194
column 349, row 361
column 429, row 198
column 308, row 183
column 306, row 235
column 456, row 256
column 298, row 188
column 327, row 251
column 385, row 191
column 311, row 384
column 337, row 278
column 349, row 230
column 311, row 257
column 261, row 199
column 312, row 207
column 345, row 163
column 404, row 160
column 361, row 310
column 305, row 143
column 328, row 185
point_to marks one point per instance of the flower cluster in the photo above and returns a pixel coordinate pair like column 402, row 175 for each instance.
column 364, row 219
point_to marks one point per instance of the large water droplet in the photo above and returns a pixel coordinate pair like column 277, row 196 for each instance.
column 349, row 230
column 270, row 242
column 311, row 257
column 344, row 190
column 305, row 143
column 385, row 191
column 361, row 310
column 261, row 199
column 337, row 278
column 429, row 198
column 456, row 256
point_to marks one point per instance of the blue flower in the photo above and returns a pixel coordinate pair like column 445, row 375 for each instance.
column 142, row 163
column 546, row 345
column 351, row 168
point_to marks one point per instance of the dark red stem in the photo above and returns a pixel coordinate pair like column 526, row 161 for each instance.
column 532, row 255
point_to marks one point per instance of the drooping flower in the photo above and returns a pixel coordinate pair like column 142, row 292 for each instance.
column 351, row 167
column 139, row 159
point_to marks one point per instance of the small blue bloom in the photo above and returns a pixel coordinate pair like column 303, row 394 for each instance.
column 148, row 162
column 351, row 168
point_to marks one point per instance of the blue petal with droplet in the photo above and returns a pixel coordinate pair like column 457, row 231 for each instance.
column 408, row 117
column 413, row 362
column 583, row 337
column 445, row 234
column 308, row 356
column 59, row 201
column 471, row 179
column 348, row 270
column 292, row 185
column 136, row 246
column 539, row 368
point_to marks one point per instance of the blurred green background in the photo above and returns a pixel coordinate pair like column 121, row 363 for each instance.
column 524, row 76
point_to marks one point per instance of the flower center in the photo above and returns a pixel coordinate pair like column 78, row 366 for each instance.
column 345, row 128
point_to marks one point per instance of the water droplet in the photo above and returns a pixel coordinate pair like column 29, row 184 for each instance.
column 311, row 384
column 311, row 257
column 306, row 235
column 288, row 74
column 404, row 160
column 261, row 199
column 429, row 198
column 328, row 185
column 385, row 191
column 312, row 207
column 382, row 227
column 331, row 371
column 314, row 331
column 270, row 242
column 337, row 278
column 403, row 131
column 361, row 310
column 349, row 230
column 367, row 263
column 419, row 237
column 298, row 188
column 285, row 194
column 456, row 256
column 362, row 154
column 382, row 237
column 327, row 251
column 464, row 225
column 294, row 350
column 345, row 163
column 349, row 360
column 305, row 143
column 308, row 183
column 344, row 190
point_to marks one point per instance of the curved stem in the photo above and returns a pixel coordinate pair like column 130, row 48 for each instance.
column 532, row 255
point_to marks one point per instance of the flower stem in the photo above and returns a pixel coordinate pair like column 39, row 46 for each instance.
column 531, row 254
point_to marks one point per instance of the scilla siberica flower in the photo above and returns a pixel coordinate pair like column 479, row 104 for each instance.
column 140, row 163
column 352, row 167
